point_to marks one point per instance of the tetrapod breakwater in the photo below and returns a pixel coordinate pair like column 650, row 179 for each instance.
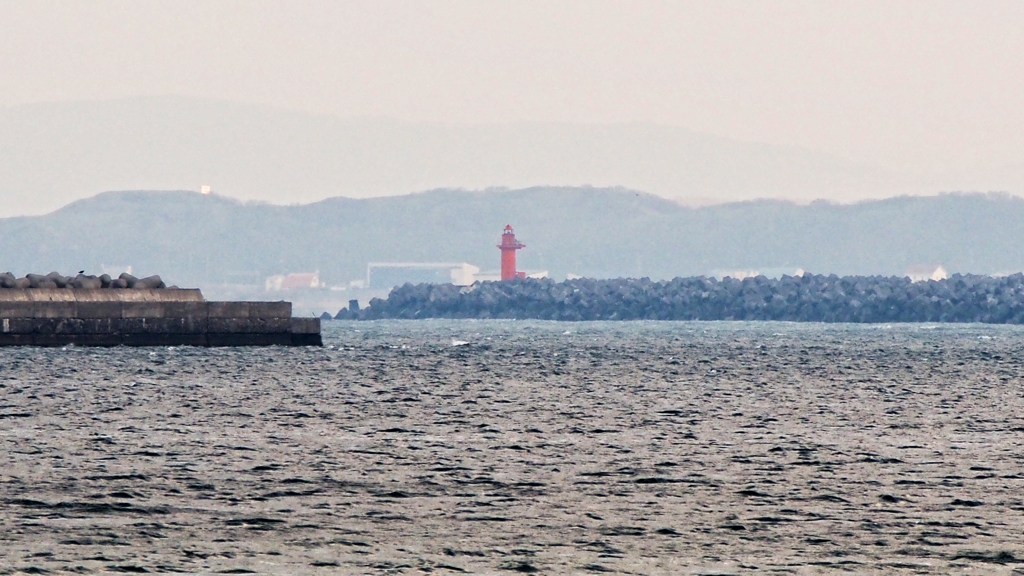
column 807, row 298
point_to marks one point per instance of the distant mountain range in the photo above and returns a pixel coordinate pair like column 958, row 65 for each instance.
column 55, row 153
column 196, row 240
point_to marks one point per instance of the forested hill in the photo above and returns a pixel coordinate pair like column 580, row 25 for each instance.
column 600, row 232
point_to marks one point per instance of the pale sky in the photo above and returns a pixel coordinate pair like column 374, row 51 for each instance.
column 912, row 85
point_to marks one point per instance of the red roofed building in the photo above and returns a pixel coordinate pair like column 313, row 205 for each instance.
column 294, row 281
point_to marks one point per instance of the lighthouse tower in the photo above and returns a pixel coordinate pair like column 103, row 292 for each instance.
column 508, row 247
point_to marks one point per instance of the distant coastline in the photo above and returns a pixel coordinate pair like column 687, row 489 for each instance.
column 212, row 242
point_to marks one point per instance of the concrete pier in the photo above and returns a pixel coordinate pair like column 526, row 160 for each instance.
column 163, row 317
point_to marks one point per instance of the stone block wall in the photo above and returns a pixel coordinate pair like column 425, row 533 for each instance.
column 167, row 317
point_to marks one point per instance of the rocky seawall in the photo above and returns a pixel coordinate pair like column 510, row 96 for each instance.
column 808, row 298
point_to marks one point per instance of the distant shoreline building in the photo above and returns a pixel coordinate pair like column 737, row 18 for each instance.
column 293, row 281
column 391, row 274
column 774, row 273
column 925, row 272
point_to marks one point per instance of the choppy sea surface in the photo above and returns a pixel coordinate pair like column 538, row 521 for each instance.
column 495, row 447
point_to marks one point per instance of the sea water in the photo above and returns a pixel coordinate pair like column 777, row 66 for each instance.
column 516, row 446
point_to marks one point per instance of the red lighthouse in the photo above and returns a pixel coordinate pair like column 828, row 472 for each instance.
column 508, row 247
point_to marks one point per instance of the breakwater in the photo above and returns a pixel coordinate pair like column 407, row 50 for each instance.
column 145, row 317
column 808, row 298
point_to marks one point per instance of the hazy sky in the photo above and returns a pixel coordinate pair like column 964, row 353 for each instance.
column 928, row 85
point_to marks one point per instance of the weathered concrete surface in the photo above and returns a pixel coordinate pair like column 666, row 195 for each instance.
column 139, row 317
column 101, row 295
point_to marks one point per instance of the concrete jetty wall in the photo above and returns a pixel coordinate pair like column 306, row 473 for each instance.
column 162, row 317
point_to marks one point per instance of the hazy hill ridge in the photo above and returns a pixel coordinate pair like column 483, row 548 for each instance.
column 54, row 153
column 193, row 239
